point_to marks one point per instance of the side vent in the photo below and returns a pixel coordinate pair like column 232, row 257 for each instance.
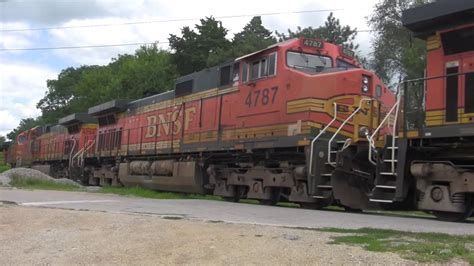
column 183, row 88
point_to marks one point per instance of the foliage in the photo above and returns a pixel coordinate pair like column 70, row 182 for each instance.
column 25, row 124
column 41, row 184
column 422, row 247
column 2, row 140
column 193, row 49
column 148, row 71
column 3, row 166
column 396, row 54
column 253, row 37
column 332, row 31
column 152, row 194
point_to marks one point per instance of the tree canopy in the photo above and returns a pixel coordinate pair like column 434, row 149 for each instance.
column 396, row 54
column 148, row 71
column 332, row 31
column 193, row 48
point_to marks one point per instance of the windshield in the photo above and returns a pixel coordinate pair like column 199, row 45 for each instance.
column 308, row 61
column 344, row 64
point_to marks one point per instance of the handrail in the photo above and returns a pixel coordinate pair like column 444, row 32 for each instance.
column 396, row 108
column 81, row 152
column 342, row 125
column 85, row 150
column 72, row 150
column 319, row 135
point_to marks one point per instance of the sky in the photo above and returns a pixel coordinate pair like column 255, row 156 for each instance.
column 23, row 74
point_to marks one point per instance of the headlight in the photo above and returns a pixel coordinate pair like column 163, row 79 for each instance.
column 363, row 132
column 365, row 80
column 365, row 83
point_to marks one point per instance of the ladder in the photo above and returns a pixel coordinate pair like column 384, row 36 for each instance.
column 389, row 179
column 320, row 173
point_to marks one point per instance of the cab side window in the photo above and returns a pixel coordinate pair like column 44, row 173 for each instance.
column 262, row 67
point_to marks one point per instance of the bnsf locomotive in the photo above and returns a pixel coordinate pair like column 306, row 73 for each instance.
column 266, row 126
column 427, row 162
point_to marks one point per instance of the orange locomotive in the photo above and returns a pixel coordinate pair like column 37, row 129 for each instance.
column 266, row 126
column 428, row 161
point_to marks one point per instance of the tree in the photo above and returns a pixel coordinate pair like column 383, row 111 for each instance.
column 396, row 55
column 2, row 140
column 332, row 31
column 253, row 37
column 148, row 71
column 193, row 49
column 61, row 92
column 25, row 124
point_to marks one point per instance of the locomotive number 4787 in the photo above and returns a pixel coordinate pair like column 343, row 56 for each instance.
column 261, row 97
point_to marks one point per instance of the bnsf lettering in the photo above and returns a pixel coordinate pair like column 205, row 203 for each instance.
column 165, row 124
column 262, row 97
column 346, row 109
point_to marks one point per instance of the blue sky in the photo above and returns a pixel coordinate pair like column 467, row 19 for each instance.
column 23, row 74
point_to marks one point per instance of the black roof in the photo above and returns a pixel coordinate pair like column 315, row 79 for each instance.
column 203, row 80
column 81, row 118
column 114, row 106
column 424, row 20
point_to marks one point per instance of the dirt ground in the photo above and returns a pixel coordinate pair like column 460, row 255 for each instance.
column 54, row 236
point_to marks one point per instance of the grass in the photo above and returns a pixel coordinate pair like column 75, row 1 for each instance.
column 421, row 247
column 152, row 194
column 42, row 184
column 3, row 166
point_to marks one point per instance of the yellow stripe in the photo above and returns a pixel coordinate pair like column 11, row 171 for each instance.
column 89, row 126
column 433, row 42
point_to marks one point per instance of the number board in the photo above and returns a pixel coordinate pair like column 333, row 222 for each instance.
column 348, row 52
column 313, row 43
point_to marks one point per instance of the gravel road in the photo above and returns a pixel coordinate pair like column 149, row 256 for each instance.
column 206, row 210
column 54, row 236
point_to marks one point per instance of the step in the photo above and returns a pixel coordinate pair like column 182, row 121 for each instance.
column 386, row 187
column 324, row 186
column 388, row 173
column 361, row 172
column 381, row 200
column 320, row 197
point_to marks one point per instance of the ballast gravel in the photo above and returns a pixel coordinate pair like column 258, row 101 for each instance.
column 28, row 173
column 43, row 236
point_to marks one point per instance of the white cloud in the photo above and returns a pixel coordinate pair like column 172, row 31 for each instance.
column 21, row 87
column 19, row 39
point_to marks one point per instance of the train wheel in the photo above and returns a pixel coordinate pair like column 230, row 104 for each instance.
column 452, row 216
column 312, row 205
column 274, row 197
column 456, row 216
column 238, row 194
column 349, row 209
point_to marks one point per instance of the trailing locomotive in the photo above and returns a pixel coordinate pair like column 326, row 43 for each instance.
column 427, row 162
column 266, row 126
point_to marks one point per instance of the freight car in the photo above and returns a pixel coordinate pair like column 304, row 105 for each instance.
column 266, row 126
column 428, row 160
